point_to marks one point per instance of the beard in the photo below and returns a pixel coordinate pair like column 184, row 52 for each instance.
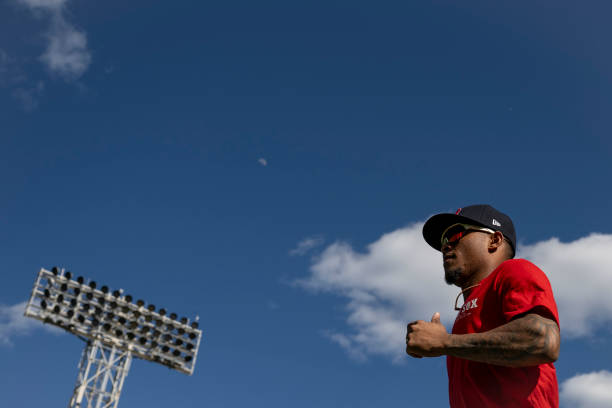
column 452, row 276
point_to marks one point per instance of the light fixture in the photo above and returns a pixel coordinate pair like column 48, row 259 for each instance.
column 110, row 321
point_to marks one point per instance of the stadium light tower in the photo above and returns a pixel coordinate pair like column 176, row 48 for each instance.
column 115, row 329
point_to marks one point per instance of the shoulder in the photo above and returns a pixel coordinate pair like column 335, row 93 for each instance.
column 519, row 271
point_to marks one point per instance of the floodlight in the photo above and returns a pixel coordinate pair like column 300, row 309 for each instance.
column 112, row 326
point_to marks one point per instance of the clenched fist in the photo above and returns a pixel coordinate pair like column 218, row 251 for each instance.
column 427, row 339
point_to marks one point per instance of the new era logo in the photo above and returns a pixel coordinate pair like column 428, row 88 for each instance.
column 496, row 223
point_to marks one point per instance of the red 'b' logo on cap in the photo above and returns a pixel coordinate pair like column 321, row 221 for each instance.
column 458, row 211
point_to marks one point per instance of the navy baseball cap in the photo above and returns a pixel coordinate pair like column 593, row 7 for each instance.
column 481, row 214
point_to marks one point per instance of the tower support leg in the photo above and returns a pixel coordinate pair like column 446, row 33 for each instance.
column 102, row 371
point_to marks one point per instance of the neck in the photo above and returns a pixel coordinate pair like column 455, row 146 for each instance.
column 481, row 273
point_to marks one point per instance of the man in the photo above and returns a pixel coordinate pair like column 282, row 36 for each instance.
column 506, row 335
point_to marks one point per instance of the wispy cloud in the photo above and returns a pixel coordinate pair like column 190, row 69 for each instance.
column 399, row 278
column 13, row 323
column 306, row 245
column 262, row 161
column 66, row 54
column 10, row 72
column 591, row 390
column 29, row 97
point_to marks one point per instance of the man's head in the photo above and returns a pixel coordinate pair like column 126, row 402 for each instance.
column 471, row 240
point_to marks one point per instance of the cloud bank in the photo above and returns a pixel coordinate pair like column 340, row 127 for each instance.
column 399, row 278
column 592, row 390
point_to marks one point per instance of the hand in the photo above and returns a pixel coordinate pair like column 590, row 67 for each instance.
column 426, row 339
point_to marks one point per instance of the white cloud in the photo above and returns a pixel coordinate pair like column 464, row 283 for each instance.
column 14, row 323
column 306, row 245
column 579, row 278
column 66, row 54
column 592, row 390
column 43, row 4
column 262, row 161
column 399, row 278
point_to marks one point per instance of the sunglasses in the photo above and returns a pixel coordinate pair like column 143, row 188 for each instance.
column 455, row 232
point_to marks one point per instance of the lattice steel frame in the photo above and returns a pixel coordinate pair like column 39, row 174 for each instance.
column 115, row 329
column 102, row 372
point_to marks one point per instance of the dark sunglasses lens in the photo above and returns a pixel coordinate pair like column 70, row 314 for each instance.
column 454, row 234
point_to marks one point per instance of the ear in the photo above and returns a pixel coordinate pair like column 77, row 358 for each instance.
column 496, row 240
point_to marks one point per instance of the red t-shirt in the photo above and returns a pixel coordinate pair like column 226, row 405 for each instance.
column 515, row 288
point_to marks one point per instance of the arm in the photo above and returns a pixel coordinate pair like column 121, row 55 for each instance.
column 525, row 341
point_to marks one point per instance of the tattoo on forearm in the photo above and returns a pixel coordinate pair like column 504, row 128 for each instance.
column 529, row 340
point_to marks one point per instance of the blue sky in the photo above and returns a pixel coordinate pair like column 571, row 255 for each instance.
column 222, row 159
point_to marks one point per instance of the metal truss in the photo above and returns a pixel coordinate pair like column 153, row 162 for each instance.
column 102, row 371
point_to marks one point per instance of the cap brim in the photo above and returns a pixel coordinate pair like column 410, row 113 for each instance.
column 435, row 226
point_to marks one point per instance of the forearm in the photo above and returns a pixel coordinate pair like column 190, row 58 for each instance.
column 527, row 341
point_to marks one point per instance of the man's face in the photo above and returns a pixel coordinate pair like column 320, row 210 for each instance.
column 461, row 258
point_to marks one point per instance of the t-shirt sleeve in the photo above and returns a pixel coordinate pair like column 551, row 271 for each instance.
column 523, row 289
